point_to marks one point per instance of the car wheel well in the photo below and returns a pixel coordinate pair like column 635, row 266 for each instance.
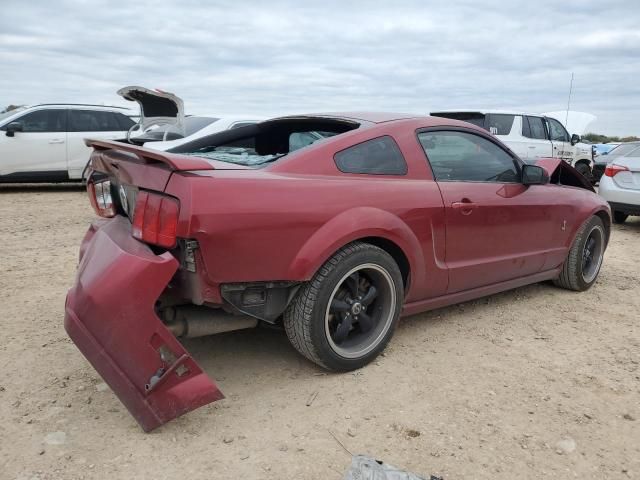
column 606, row 220
column 396, row 253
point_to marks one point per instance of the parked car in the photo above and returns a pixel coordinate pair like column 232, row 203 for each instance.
column 195, row 127
column 620, row 184
column 603, row 148
column 530, row 136
column 162, row 123
column 45, row 143
column 621, row 150
column 386, row 215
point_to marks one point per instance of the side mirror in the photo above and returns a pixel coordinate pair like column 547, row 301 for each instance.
column 12, row 128
column 575, row 139
column 534, row 175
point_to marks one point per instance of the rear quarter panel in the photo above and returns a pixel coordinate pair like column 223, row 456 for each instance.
column 259, row 226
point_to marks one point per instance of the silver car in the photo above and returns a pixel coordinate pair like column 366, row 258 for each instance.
column 620, row 184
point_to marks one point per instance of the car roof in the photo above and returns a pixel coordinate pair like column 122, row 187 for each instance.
column 487, row 111
column 371, row 117
column 80, row 105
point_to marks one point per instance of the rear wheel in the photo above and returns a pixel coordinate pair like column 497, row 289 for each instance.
column 582, row 265
column 344, row 317
column 619, row 217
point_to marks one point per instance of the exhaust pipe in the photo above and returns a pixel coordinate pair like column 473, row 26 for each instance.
column 192, row 321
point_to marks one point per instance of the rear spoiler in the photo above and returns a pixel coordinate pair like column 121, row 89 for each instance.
column 173, row 161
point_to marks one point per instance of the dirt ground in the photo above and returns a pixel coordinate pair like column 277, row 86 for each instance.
column 536, row 382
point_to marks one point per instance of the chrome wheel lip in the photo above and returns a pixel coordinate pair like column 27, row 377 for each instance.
column 593, row 269
column 386, row 316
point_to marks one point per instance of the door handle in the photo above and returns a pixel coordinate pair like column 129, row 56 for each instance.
column 56, row 140
column 465, row 206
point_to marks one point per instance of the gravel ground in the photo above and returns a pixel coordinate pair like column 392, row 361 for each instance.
column 536, row 382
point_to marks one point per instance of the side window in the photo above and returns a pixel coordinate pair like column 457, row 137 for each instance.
column 534, row 128
column 500, row 124
column 124, row 122
column 93, row 121
column 464, row 157
column 43, row 121
column 380, row 156
column 557, row 131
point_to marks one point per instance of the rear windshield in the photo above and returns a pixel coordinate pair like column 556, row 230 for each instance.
column 625, row 149
column 263, row 143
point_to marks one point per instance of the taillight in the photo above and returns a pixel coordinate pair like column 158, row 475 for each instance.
column 612, row 170
column 155, row 219
column 100, row 197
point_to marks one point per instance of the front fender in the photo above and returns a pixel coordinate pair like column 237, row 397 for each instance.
column 352, row 225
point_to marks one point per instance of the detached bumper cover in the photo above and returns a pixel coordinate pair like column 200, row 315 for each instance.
column 109, row 315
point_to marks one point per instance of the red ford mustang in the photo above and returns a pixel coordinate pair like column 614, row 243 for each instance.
column 331, row 225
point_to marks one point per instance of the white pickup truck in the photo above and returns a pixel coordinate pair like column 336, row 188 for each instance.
column 531, row 136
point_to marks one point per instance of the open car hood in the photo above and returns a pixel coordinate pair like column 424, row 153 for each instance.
column 157, row 108
column 576, row 122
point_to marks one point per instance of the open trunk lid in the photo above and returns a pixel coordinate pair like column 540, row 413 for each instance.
column 157, row 109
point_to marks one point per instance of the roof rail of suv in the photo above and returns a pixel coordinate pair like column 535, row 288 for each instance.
column 79, row 105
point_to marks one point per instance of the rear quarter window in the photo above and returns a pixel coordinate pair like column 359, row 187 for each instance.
column 379, row 156
column 500, row 124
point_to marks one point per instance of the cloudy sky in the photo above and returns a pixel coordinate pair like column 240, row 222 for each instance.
column 274, row 57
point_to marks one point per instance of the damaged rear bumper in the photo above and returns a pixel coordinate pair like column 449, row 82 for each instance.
column 109, row 315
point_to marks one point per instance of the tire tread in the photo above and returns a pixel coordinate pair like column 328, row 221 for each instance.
column 298, row 316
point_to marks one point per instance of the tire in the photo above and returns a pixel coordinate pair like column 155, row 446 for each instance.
column 580, row 271
column 584, row 169
column 326, row 323
column 619, row 217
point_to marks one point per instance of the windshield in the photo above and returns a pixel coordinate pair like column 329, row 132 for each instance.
column 10, row 112
column 193, row 124
column 624, row 149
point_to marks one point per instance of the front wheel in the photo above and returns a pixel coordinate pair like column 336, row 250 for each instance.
column 584, row 169
column 344, row 317
column 582, row 265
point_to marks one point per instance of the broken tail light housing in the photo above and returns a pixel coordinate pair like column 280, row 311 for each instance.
column 100, row 197
column 612, row 170
column 155, row 219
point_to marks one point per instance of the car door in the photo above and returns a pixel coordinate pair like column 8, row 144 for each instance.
column 496, row 228
column 538, row 143
column 39, row 147
column 85, row 123
column 561, row 141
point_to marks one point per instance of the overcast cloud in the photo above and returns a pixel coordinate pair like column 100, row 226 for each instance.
column 275, row 57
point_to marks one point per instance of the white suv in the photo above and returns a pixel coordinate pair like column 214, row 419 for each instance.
column 45, row 143
column 530, row 136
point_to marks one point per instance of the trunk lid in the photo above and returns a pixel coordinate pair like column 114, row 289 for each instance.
column 157, row 108
column 629, row 179
column 145, row 168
